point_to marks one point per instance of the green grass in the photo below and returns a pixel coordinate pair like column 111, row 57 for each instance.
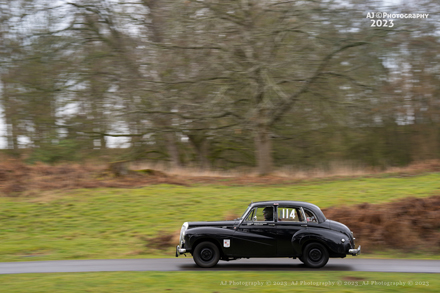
column 112, row 223
column 221, row 282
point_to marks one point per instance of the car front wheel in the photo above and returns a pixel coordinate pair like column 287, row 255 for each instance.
column 315, row 255
column 206, row 254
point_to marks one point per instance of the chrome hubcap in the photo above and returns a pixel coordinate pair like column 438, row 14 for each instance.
column 206, row 254
column 315, row 254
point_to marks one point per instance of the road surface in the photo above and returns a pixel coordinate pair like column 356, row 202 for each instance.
column 187, row 264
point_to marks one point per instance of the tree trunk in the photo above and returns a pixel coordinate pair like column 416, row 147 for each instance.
column 263, row 147
column 103, row 145
column 203, row 156
column 10, row 119
column 14, row 136
column 172, row 149
column 201, row 147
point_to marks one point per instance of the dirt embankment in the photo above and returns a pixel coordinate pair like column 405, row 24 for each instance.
column 19, row 179
column 410, row 224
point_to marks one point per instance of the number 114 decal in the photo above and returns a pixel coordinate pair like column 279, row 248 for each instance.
column 285, row 214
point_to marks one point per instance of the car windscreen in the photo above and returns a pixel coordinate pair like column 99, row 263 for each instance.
column 245, row 213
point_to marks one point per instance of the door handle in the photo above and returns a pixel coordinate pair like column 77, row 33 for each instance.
column 303, row 225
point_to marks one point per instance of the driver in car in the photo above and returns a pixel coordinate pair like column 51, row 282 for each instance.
column 268, row 213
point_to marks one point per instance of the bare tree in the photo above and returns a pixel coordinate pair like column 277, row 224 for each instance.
column 271, row 56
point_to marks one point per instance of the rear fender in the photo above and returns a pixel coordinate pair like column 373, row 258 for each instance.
column 329, row 238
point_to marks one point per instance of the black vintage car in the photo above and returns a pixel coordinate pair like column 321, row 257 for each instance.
column 269, row 229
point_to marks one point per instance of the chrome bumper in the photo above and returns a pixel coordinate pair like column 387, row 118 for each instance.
column 355, row 251
column 180, row 250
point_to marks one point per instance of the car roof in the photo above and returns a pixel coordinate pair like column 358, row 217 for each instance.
column 283, row 202
column 314, row 208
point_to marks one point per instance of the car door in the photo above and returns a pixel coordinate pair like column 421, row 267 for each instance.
column 290, row 220
column 256, row 235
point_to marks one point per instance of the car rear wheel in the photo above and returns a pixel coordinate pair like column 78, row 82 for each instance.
column 315, row 255
column 206, row 254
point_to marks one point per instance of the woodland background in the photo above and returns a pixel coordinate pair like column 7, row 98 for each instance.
column 220, row 84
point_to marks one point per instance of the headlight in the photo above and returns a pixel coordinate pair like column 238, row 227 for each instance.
column 182, row 232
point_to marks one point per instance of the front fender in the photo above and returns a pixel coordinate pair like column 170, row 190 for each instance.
column 214, row 234
column 330, row 238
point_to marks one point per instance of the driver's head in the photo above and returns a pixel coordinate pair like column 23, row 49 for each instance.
column 268, row 213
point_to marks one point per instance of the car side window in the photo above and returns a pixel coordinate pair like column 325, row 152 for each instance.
column 289, row 214
column 260, row 214
column 310, row 217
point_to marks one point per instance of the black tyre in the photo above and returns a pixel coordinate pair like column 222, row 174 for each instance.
column 315, row 255
column 206, row 254
column 301, row 259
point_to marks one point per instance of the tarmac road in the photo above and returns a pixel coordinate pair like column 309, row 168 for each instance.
column 187, row 264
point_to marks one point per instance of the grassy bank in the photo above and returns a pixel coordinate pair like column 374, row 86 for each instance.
column 221, row 282
column 115, row 223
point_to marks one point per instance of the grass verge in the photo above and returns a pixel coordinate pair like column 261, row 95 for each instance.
column 114, row 223
column 221, row 282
